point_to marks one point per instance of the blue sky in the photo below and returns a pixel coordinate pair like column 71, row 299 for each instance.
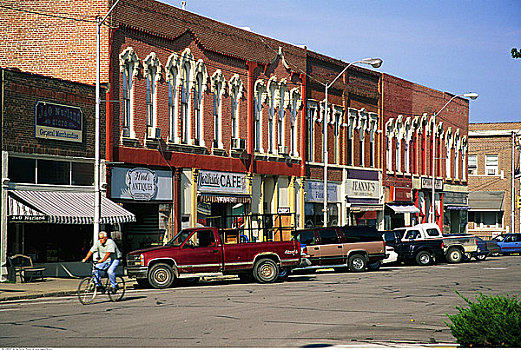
column 449, row 45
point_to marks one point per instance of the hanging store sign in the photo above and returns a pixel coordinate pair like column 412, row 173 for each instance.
column 58, row 122
column 427, row 183
column 356, row 188
column 141, row 184
column 221, row 182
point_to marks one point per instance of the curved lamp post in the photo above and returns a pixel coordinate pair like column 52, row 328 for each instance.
column 472, row 96
column 375, row 63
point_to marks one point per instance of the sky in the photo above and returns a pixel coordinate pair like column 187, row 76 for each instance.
column 455, row 46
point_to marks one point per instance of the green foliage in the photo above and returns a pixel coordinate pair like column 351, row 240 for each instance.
column 516, row 53
column 491, row 321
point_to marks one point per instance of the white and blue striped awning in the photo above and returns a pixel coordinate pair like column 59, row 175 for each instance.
column 64, row 207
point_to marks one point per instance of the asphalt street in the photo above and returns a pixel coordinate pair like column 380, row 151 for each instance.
column 395, row 306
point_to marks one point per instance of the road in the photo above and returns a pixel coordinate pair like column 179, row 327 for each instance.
column 395, row 306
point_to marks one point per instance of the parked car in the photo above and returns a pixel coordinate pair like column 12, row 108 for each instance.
column 409, row 249
column 485, row 248
column 455, row 246
column 201, row 251
column 511, row 244
column 353, row 247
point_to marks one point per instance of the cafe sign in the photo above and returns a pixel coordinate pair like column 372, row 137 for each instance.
column 221, row 182
column 58, row 122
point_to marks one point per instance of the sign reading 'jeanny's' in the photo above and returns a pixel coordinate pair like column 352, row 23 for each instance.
column 58, row 122
column 362, row 188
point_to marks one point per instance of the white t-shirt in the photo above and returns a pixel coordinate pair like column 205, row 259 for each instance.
column 109, row 247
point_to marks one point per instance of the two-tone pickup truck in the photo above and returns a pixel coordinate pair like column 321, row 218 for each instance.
column 199, row 252
column 422, row 252
column 455, row 246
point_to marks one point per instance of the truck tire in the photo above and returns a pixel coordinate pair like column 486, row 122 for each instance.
column 161, row 276
column 265, row 271
column 357, row 263
column 423, row 258
column 375, row 266
column 454, row 255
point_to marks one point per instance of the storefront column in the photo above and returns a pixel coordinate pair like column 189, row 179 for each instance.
column 302, row 199
column 292, row 207
column 177, row 200
column 193, row 204
column 3, row 220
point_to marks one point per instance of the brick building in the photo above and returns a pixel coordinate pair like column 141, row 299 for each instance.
column 408, row 111
column 493, row 165
column 47, row 143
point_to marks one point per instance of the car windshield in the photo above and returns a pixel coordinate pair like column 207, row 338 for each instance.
column 179, row 238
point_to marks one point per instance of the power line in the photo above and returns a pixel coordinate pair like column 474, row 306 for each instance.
column 81, row 19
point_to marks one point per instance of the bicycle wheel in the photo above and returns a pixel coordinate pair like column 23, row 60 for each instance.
column 87, row 290
column 117, row 295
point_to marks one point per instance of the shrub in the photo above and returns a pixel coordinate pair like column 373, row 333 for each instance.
column 491, row 321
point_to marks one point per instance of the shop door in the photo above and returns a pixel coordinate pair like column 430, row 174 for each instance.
column 200, row 253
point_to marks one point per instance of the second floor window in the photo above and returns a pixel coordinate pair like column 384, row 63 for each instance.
column 151, row 93
column 185, row 100
column 127, row 91
column 473, row 164
column 491, row 164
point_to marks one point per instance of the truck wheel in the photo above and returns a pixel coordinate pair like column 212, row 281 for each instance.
column 357, row 263
column 423, row 258
column 161, row 276
column 265, row 271
column 481, row 257
column 454, row 255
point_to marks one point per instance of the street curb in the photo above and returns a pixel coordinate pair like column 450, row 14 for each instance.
column 37, row 295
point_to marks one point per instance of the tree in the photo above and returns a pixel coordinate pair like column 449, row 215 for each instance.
column 516, row 53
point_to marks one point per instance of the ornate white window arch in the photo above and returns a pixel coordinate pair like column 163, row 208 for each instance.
column 200, row 84
column 389, row 133
column 457, row 149
column 337, row 117
column 259, row 96
column 372, row 128
column 129, row 68
column 408, row 134
column 236, row 89
column 283, row 102
column 448, row 147
column 218, row 90
column 152, row 70
column 186, row 70
column 352, row 121
column 464, row 149
column 172, row 78
column 311, row 119
column 295, row 105
column 272, row 102
column 400, row 135
column 362, row 128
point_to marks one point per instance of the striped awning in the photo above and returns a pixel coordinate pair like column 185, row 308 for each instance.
column 19, row 212
column 69, row 207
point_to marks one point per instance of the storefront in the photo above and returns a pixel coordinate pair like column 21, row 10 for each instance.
column 422, row 195
column 399, row 209
column 314, row 203
column 222, row 198
column 148, row 194
column 455, row 212
column 363, row 195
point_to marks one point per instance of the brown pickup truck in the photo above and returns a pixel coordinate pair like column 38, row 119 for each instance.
column 354, row 247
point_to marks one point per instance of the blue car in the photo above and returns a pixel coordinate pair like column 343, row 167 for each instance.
column 511, row 244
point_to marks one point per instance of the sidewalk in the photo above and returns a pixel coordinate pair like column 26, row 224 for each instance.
column 50, row 286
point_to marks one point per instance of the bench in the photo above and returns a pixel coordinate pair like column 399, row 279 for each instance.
column 23, row 267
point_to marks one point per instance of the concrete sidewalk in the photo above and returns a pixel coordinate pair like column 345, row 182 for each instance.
column 50, row 286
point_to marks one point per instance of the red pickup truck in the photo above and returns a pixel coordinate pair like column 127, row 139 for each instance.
column 201, row 251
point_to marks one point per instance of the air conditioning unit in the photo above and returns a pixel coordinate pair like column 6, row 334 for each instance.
column 153, row 133
column 238, row 144
column 125, row 132
column 491, row 171
column 283, row 149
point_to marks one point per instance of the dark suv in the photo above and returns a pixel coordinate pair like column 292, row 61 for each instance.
column 354, row 247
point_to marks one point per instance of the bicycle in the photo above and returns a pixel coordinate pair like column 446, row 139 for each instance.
column 90, row 286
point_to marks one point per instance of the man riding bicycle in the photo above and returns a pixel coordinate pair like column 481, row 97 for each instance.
column 109, row 257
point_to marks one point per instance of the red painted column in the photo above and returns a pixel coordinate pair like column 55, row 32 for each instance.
column 251, row 112
column 303, row 125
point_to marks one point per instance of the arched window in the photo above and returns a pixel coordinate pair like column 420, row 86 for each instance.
column 259, row 96
column 185, row 103
column 152, row 69
column 236, row 88
column 201, row 78
column 351, row 125
column 129, row 67
column 218, row 86
column 296, row 103
column 272, row 91
column 311, row 119
column 172, row 78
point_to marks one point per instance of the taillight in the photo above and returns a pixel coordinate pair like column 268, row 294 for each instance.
column 305, row 250
column 442, row 246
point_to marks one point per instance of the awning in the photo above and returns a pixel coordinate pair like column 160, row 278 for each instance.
column 486, row 200
column 71, row 207
column 457, row 207
column 403, row 208
column 360, row 208
column 19, row 212
column 213, row 198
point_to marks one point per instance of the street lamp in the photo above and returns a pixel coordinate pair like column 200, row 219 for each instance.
column 375, row 63
column 472, row 96
column 97, row 191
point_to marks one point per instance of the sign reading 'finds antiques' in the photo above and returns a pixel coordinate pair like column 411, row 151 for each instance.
column 58, row 122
